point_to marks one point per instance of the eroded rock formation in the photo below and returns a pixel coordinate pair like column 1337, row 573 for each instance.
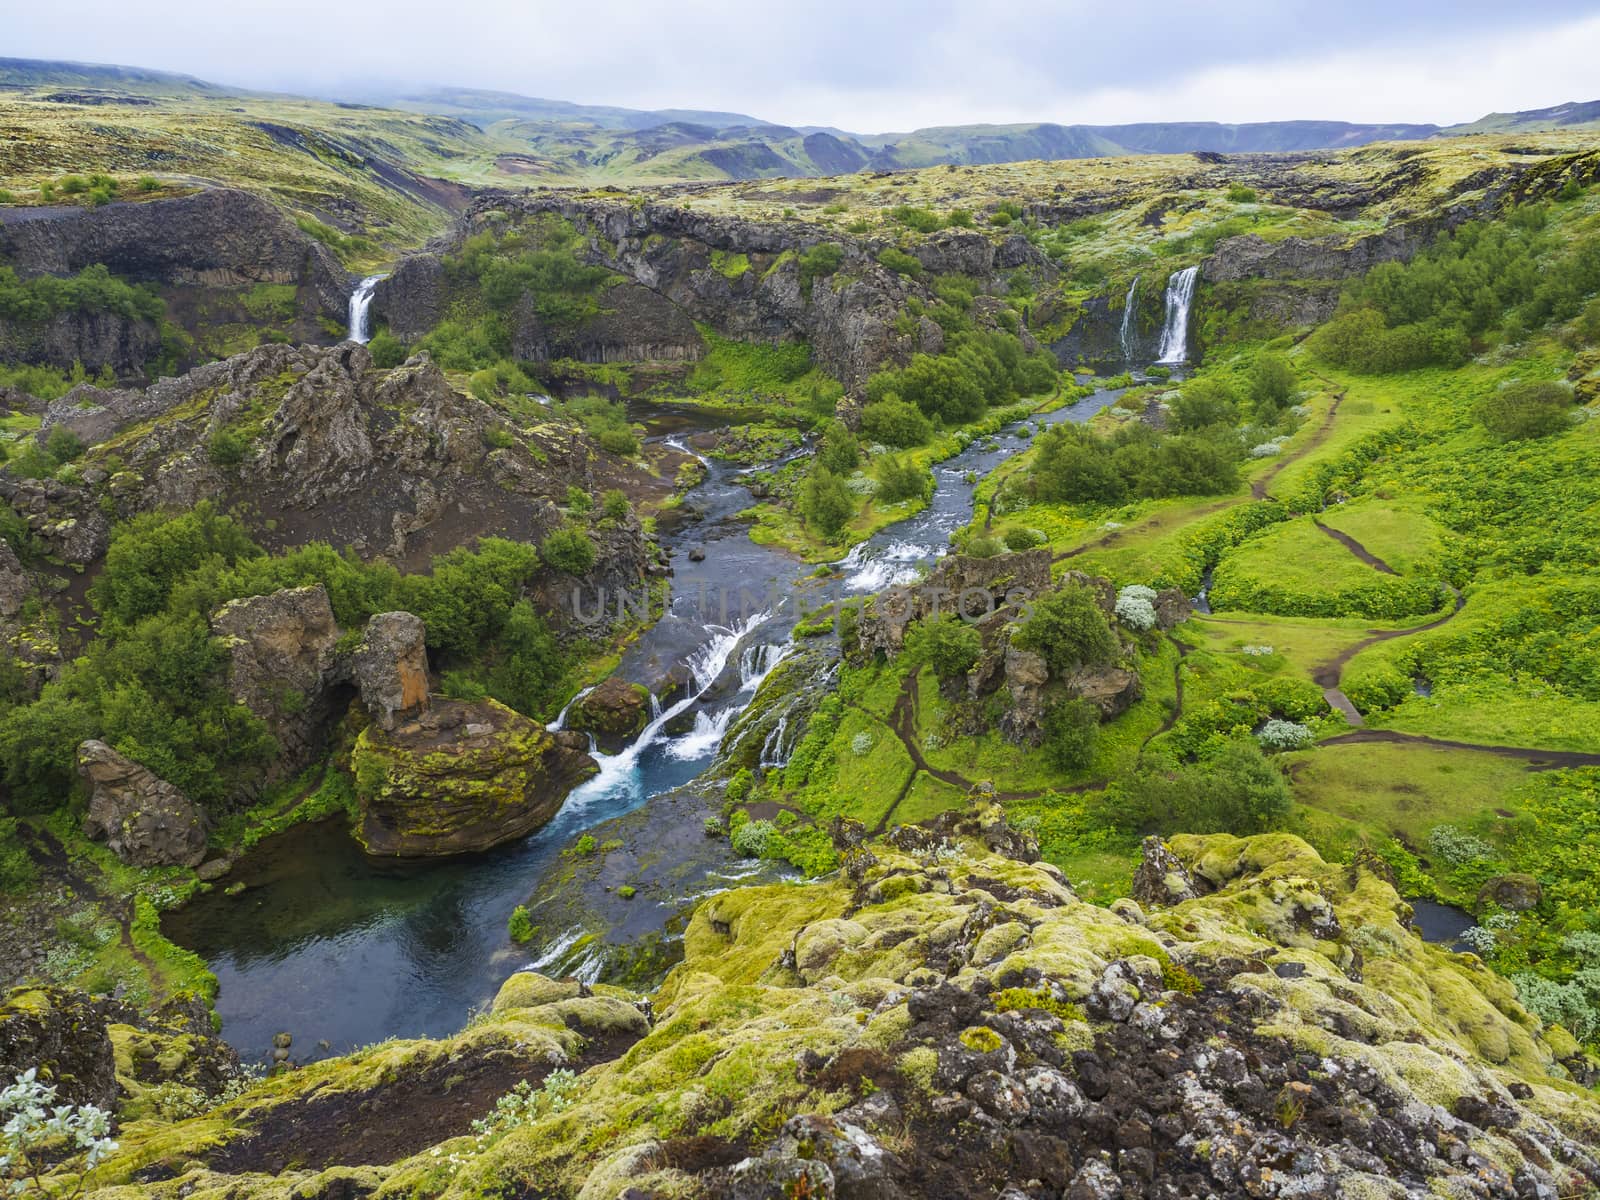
column 143, row 819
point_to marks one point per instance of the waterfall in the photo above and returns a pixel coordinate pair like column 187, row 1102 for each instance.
column 705, row 665
column 757, row 662
column 560, row 722
column 360, row 302
column 705, row 737
column 773, row 751
column 1175, row 331
column 1126, row 337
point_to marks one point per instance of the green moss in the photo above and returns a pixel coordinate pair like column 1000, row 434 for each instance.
column 980, row 1039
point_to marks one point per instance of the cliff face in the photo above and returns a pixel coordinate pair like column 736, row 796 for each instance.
column 741, row 277
column 947, row 1018
column 316, row 444
column 203, row 252
column 215, row 238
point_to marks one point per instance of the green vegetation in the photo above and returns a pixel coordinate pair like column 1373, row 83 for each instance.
column 152, row 684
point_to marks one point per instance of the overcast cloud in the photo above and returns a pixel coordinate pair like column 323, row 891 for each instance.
column 871, row 66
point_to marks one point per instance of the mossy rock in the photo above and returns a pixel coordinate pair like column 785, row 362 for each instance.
column 461, row 778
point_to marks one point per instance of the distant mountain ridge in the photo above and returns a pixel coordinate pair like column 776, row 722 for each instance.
column 563, row 141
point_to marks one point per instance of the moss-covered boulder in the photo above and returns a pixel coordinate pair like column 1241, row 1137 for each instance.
column 461, row 778
column 614, row 712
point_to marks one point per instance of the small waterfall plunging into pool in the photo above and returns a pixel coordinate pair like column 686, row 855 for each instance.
column 1126, row 336
column 1175, row 331
column 360, row 302
column 619, row 772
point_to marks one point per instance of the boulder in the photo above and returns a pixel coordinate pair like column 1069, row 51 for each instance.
column 1172, row 607
column 614, row 711
column 62, row 1034
column 282, row 660
column 280, row 649
column 145, row 820
column 1516, row 892
column 1112, row 689
column 461, row 778
column 14, row 587
column 391, row 668
column 1161, row 877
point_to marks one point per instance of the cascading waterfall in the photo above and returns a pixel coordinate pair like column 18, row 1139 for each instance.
column 560, row 722
column 360, row 302
column 895, row 567
column 1126, row 337
column 705, row 666
column 1175, row 330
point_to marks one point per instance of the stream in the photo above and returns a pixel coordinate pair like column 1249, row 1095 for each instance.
column 340, row 950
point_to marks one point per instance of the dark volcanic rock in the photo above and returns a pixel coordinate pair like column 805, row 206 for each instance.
column 143, row 819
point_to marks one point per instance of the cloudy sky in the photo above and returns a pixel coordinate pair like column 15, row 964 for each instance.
column 874, row 65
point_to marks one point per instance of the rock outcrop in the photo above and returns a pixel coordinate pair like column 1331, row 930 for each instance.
column 390, row 668
column 321, row 446
column 942, row 1019
column 63, row 1035
column 680, row 265
column 614, row 711
column 282, row 661
column 203, row 252
column 143, row 819
column 461, row 778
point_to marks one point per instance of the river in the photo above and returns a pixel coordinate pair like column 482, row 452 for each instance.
column 341, row 951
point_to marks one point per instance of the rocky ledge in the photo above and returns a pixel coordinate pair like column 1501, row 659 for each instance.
column 945, row 1017
column 461, row 777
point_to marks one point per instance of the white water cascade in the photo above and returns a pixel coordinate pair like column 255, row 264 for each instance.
column 360, row 302
column 705, row 666
column 1175, row 331
column 1126, row 336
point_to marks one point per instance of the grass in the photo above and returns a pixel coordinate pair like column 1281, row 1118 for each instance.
column 1294, row 568
column 1357, row 793
column 1396, row 531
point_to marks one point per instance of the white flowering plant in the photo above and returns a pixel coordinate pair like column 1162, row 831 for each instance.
column 35, row 1129
column 1136, row 607
column 1284, row 735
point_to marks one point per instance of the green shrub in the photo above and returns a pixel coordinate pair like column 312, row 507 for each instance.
column 17, row 872
column 902, row 479
column 614, row 505
column 821, row 260
column 1237, row 791
column 1272, row 385
column 825, row 503
column 520, row 925
column 920, row 219
column 1203, row 403
column 387, row 350
column 570, row 550
column 983, row 547
column 1071, row 728
column 1525, row 410
column 944, row 643
column 1238, row 193
column 1018, row 539
column 839, row 451
column 228, row 446
column 899, row 261
column 893, row 422
column 1067, row 627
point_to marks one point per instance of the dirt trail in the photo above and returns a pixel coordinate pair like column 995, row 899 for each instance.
column 48, row 853
column 1329, row 674
column 1542, row 760
column 1356, row 548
